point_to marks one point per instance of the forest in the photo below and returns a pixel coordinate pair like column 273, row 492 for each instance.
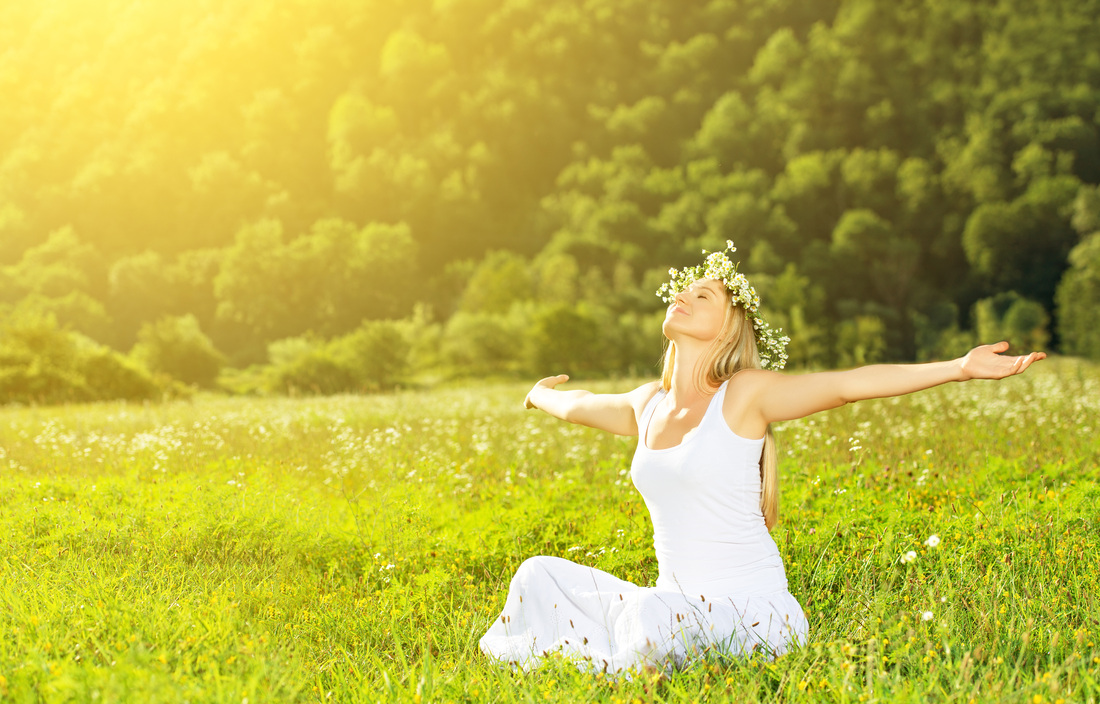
column 321, row 196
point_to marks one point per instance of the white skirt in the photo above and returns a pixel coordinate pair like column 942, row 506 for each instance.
column 605, row 623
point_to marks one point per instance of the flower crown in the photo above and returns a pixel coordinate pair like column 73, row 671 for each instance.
column 770, row 343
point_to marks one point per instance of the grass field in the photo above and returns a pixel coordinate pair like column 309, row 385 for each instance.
column 355, row 548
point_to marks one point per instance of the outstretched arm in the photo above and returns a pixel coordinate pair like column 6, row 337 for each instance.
column 615, row 413
column 781, row 397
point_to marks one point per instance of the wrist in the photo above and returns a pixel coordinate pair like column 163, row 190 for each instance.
column 533, row 396
column 959, row 372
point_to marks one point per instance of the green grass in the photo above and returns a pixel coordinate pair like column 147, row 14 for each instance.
column 356, row 548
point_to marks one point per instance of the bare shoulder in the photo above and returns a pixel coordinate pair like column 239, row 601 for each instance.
column 750, row 381
column 640, row 396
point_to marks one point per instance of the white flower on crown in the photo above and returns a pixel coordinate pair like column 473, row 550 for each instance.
column 770, row 343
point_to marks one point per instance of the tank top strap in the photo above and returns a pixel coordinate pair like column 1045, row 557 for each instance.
column 716, row 402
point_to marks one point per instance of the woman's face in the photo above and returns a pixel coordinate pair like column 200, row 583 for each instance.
column 697, row 312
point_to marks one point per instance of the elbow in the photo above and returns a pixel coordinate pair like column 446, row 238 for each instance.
column 845, row 394
column 839, row 401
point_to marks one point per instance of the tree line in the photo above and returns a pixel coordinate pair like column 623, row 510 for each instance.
column 322, row 196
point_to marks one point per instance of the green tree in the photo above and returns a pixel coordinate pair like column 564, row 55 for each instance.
column 792, row 303
column 875, row 263
column 225, row 191
column 41, row 362
column 620, row 133
column 498, row 281
column 1009, row 316
column 371, row 358
column 327, row 280
column 726, row 132
column 1079, row 300
column 570, row 339
column 140, row 289
column 869, row 249
column 15, row 235
column 377, row 352
column 482, row 343
column 256, row 285
column 177, row 346
column 557, row 278
column 1023, row 244
column 62, row 264
column 60, row 278
column 860, row 341
column 809, row 189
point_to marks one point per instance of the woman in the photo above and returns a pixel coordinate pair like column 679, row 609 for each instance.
column 706, row 468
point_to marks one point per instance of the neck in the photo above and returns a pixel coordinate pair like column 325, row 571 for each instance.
column 684, row 389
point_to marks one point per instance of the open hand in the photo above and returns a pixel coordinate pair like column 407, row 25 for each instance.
column 988, row 362
column 547, row 383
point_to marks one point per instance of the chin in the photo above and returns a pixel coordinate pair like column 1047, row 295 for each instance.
column 666, row 327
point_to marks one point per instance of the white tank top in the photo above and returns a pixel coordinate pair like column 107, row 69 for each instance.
column 704, row 498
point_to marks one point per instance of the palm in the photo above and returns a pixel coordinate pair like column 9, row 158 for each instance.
column 989, row 362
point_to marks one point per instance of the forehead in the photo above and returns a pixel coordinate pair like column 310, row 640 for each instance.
column 713, row 285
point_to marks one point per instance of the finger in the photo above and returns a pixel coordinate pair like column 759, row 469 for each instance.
column 999, row 347
column 1014, row 365
column 552, row 381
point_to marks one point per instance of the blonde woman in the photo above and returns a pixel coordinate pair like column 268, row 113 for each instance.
column 706, row 467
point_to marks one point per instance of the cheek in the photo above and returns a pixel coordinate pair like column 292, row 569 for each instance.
column 718, row 319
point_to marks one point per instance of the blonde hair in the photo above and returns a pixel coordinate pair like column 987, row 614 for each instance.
column 734, row 349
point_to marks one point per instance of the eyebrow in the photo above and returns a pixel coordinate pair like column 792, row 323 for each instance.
column 709, row 288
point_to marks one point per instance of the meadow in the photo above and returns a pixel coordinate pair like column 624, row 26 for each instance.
column 354, row 548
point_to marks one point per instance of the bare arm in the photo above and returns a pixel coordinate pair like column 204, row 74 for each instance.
column 615, row 413
column 782, row 397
